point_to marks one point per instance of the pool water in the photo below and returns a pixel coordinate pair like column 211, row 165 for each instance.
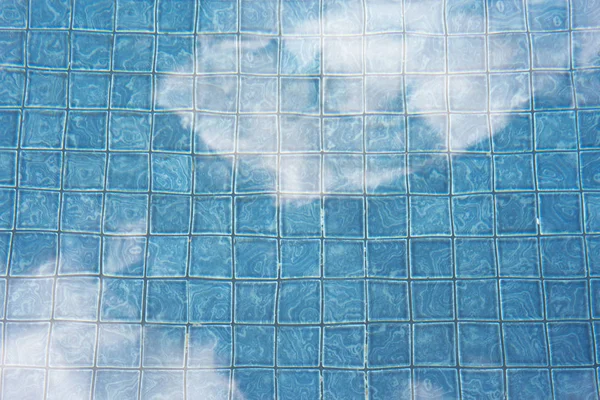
column 300, row 199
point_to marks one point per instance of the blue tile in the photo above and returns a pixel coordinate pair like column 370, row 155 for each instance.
column 429, row 174
column 5, row 239
column 62, row 383
column 77, row 298
column 166, row 301
column 512, row 133
column 13, row 82
column 562, row 257
column 121, row 300
column 10, row 121
column 343, row 173
column 344, row 301
column 94, row 16
column 175, row 16
column 299, row 302
column 33, row 254
column 209, row 301
column 525, row 344
column 588, row 125
column 431, row 258
column 506, row 17
column 129, row 131
column 256, row 173
column 477, row 299
column 259, row 17
column 509, row 92
column 86, row 130
column 468, row 93
column 343, row 385
column 343, row 259
column 343, row 95
column 550, row 50
column 473, row 215
column 300, row 258
column 300, row 95
column 343, row 346
column 300, row 173
column 300, row 17
column 516, row 214
column 471, row 173
column 387, row 259
column 342, row 18
column 590, row 162
column 128, row 172
column 532, row 383
column 343, row 134
column 254, row 346
column 171, row 173
column 300, row 56
column 429, row 216
column 480, row 383
column 17, row 352
column 513, row 172
column 17, row 16
column 432, row 22
column 213, row 175
column 209, row 382
column 384, row 16
column 431, row 299
column 434, row 344
column 521, row 299
column 48, row 49
column 509, row 52
column 258, row 94
column 124, row 256
column 586, row 87
column 479, row 344
column 173, row 92
column 82, row 171
column 112, row 383
column 255, row 258
column 570, row 344
column 40, row 169
column 164, row 346
column 475, row 258
column 172, row 132
column 88, row 90
column 253, row 383
column 387, row 216
column 46, row 89
column 518, row 257
column 255, row 302
column 299, row 133
column 256, row 215
column 385, row 133
column 427, row 133
column 551, row 15
column 469, row 132
column 38, row 210
column 119, row 345
column 556, row 171
column 212, row 215
column 7, row 201
column 135, row 15
column 257, row 134
column 43, row 129
column 294, row 383
column 567, row 299
column 162, row 383
column 211, row 256
column 83, row 59
column 12, row 383
column 170, row 214
column 555, row 131
column 574, row 383
column 79, row 254
column 51, row 14
column 218, row 16
column 344, row 217
column 385, row 384
column 298, row 346
column 465, row 53
column 388, row 345
column 592, row 204
column 175, row 54
column 552, row 90
column 426, row 93
column 131, row 92
column 210, row 345
column 343, row 55
column 387, row 300
column 62, row 350
column 384, row 94
column 593, row 254
column 8, row 168
column 222, row 100
column 581, row 42
column 217, row 54
column 384, row 54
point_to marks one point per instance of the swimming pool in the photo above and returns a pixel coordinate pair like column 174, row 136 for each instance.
column 300, row 199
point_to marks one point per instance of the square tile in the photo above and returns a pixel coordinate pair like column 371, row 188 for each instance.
column 10, row 121
column 477, row 299
column 300, row 258
column 342, row 18
column 124, row 256
column 298, row 346
column 471, row 173
column 126, row 213
column 300, row 173
column 300, row 55
column 255, row 302
column 427, row 133
column 43, row 129
column 384, row 53
column 336, row 342
column 174, row 53
column 343, row 55
column 525, row 344
column 516, row 214
column 552, row 90
column 343, row 259
column 534, row 383
column 170, row 214
column 426, row 93
column 48, row 49
column 256, row 174
column 558, row 171
column 258, row 55
column 567, row 300
column 211, row 256
column 258, row 94
column 255, row 258
column 513, row 172
column 468, row 93
column 586, row 87
column 254, row 382
column 175, row 16
column 256, row 215
column 218, row 53
column 300, row 95
column 33, row 254
column 300, row 216
column 84, row 171
column 259, row 16
column 210, row 301
column 287, row 388
column 298, row 17
column 171, row 173
column 555, row 130
column 210, row 345
column 509, row 92
column 344, row 217
column 343, row 95
column 465, row 53
column 589, row 162
column 574, row 382
column 38, row 210
column 385, row 174
column 551, row 50
column 479, row 344
column 103, row 20
column 166, row 301
column 507, row 18
column 387, row 216
column 8, row 168
column 14, row 84
column 8, row 201
column 548, row 16
column 521, row 299
column 387, row 259
column 86, row 130
column 473, row 215
column 45, row 89
column 512, row 132
column 434, row 344
column 465, row 17
column 88, row 90
column 429, row 174
column 129, row 131
column 508, row 52
column 344, row 300
column 257, row 134
column 135, row 15
column 429, row 216
column 212, row 215
column 568, row 352
column 300, row 133
column 388, row 300
column 64, row 352
column 518, row 257
column 77, row 298
column 475, row 258
column 254, row 346
column 119, row 345
column 164, row 346
column 431, row 258
column 162, row 383
column 591, row 205
column 343, row 134
column 116, row 382
column 588, row 123
column 299, row 302
column 128, row 172
column 79, row 254
column 172, row 132
column 481, row 383
column 63, row 383
column 343, row 173
column 83, row 59
column 432, row 300
column 560, row 213
column 26, row 343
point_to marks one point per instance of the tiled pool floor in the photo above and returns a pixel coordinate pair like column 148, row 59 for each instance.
column 300, row 199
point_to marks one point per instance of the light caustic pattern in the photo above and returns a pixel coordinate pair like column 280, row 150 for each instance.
column 300, row 199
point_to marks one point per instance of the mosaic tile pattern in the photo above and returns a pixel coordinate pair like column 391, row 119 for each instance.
column 300, row 199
